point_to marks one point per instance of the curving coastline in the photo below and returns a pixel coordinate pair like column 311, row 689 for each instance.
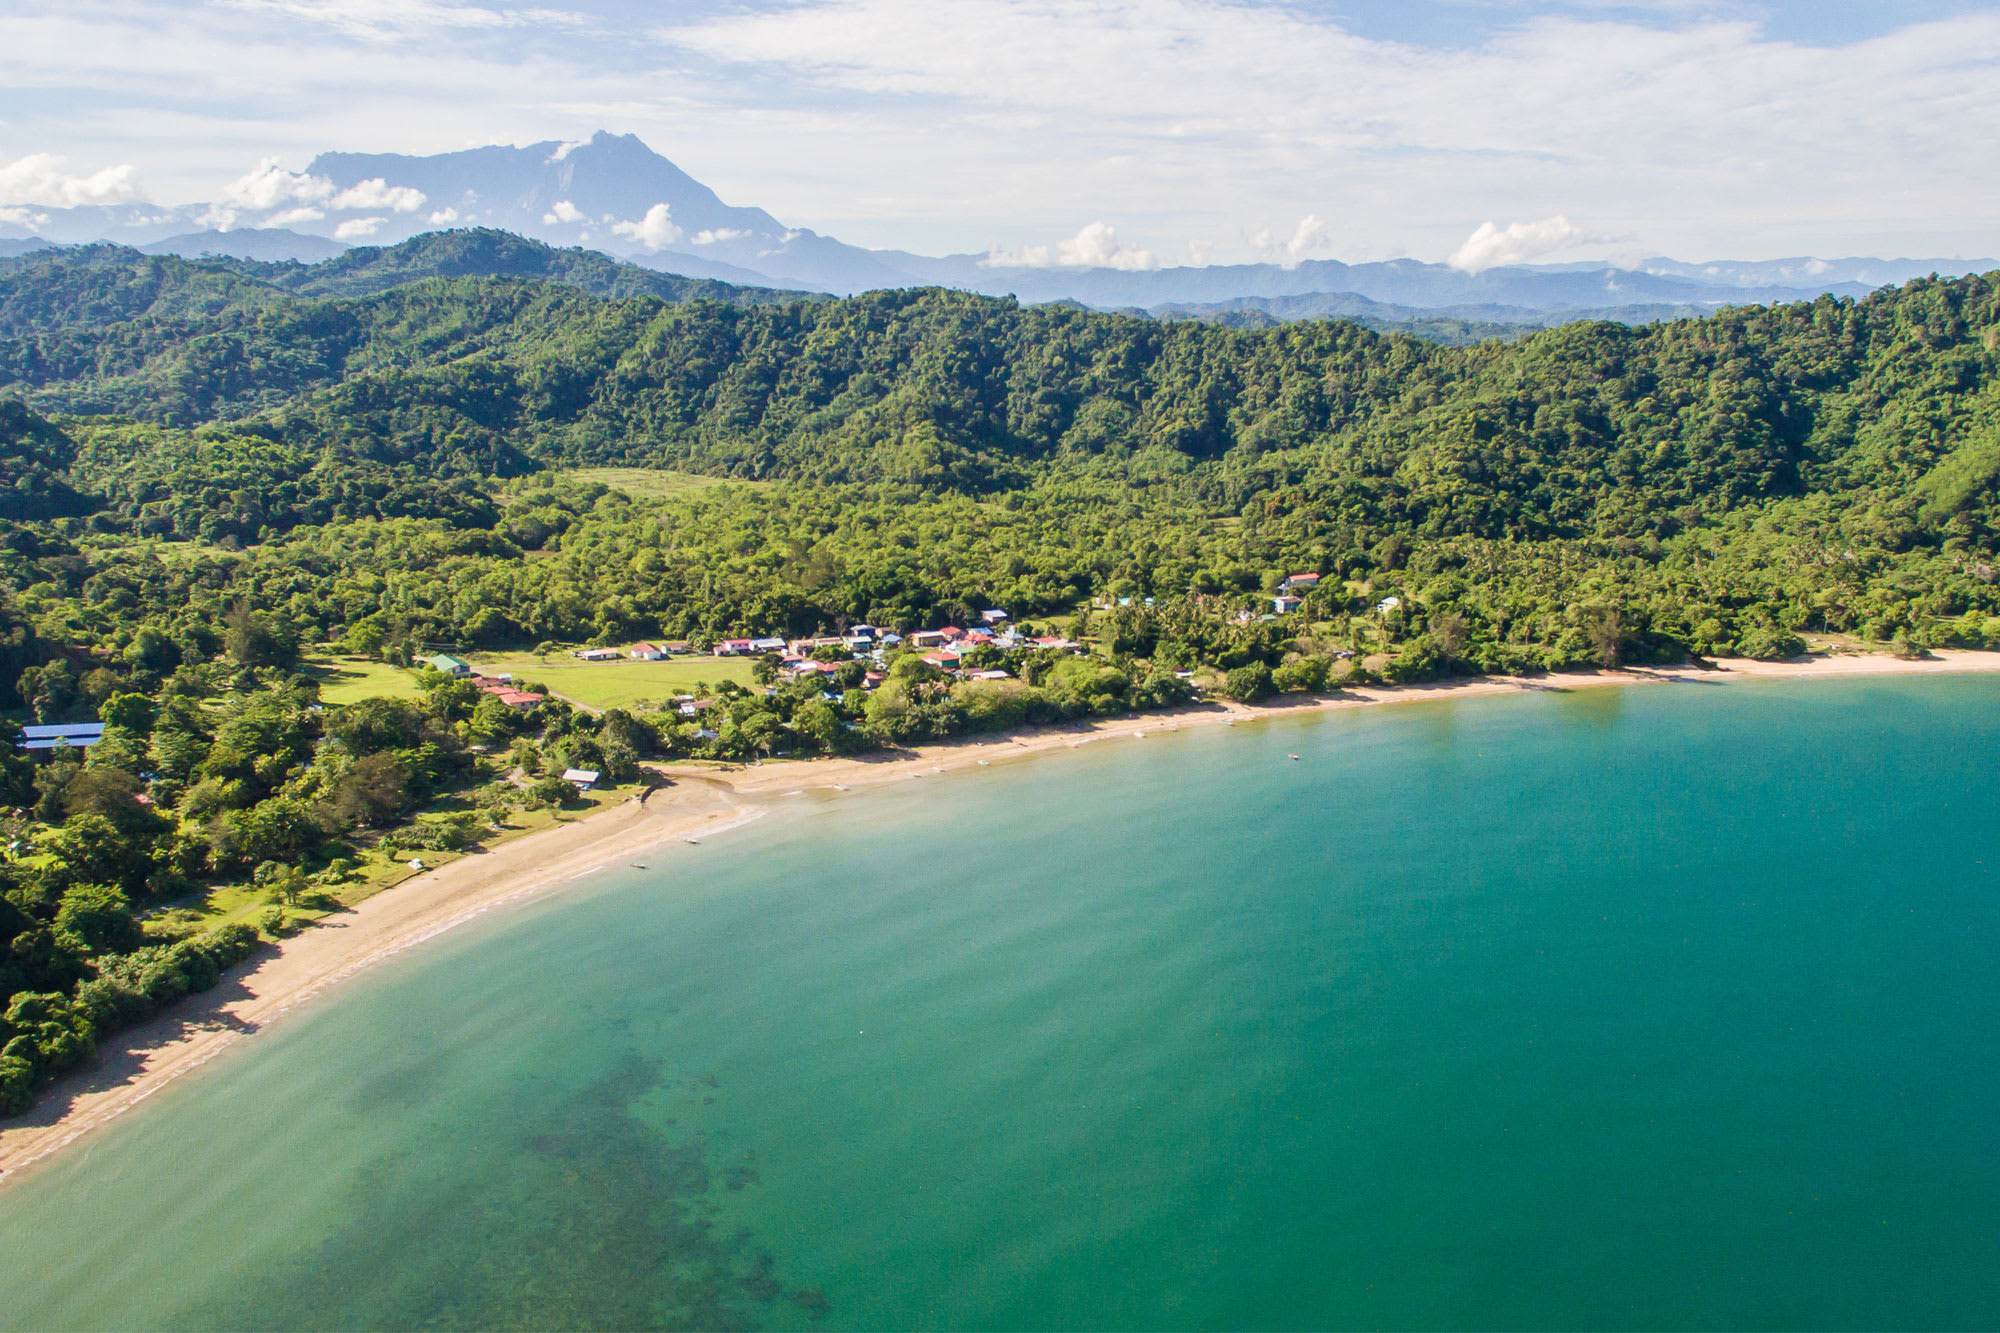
column 142, row 1060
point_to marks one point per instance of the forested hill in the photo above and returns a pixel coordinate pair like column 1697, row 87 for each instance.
column 1589, row 429
column 35, row 459
column 1702, row 484
column 81, row 287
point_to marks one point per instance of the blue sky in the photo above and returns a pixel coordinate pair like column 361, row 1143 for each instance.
column 1190, row 129
column 1458, row 22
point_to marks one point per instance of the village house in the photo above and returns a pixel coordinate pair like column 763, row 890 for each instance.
column 583, row 779
column 1285, row 605
column 646, row 652
column 76, row 735
column 502, row 688
column 735, row 647
column 451, row 666
column 993, row 617
column 675, row 648
column 598, row 654
column 1387, row 604
column 808, row 667
column 927, row 638
column 1296, row 581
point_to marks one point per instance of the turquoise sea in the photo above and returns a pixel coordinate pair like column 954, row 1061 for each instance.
column 1657, row 1008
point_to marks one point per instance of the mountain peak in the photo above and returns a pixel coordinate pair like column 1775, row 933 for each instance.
column 606, row 190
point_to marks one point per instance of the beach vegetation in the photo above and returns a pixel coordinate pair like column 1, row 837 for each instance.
column 1250, row 684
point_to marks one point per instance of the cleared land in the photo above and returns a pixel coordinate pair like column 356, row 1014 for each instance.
column 621, row 684
column 347, row 680
column 643, row 483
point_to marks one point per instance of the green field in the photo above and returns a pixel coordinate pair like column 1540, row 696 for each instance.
column 644, row 483
column 622, row 684
column 346, row 680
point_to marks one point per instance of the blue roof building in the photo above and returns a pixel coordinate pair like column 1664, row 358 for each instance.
column 76, row 735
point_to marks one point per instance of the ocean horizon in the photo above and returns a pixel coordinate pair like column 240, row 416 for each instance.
column 1612, row 1008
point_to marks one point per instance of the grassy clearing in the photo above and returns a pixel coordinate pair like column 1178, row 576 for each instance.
column 377, row 870
column 347, row 680
column 623, row 684
column 650, row 483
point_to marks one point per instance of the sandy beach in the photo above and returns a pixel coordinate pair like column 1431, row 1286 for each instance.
column 699, row 800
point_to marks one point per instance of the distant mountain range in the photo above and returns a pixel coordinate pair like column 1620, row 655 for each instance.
column 613, row 194
column 272, row 245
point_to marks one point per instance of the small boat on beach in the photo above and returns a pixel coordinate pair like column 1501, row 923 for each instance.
column 1291, row 756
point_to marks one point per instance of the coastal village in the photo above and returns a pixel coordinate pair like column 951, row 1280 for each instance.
column 950, row 650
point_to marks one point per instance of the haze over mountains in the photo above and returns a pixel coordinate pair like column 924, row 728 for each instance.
column 613, row 194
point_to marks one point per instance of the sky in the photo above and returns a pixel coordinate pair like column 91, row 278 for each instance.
column 1194, row 130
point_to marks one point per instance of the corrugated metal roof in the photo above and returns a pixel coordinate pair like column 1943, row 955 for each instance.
column 91, row 729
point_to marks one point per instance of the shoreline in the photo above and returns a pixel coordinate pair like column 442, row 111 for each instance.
column 135, row 1064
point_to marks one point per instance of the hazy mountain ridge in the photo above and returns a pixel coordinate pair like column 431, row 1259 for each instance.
column 271, row 245
column 1452, row 325
column 615, row 195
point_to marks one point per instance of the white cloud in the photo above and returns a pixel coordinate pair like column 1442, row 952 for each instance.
column 269, row 185
column 386, row 19
column 444, row 216
column 716, row 235
column 567, row 147
column 655, row 231
column 1307, row 238
column 39, row 179
column 378, row 193
column 1690, row 125
column 292, row 216
column 934, row 124
column 564, row 211
column 1520, row 243
column 22, row 217
column 1096, row 246
column 355, row 229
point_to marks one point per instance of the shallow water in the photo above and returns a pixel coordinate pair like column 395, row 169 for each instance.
column 1666, row 1007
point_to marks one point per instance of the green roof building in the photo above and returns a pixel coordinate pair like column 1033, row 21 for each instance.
column 451, row 666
